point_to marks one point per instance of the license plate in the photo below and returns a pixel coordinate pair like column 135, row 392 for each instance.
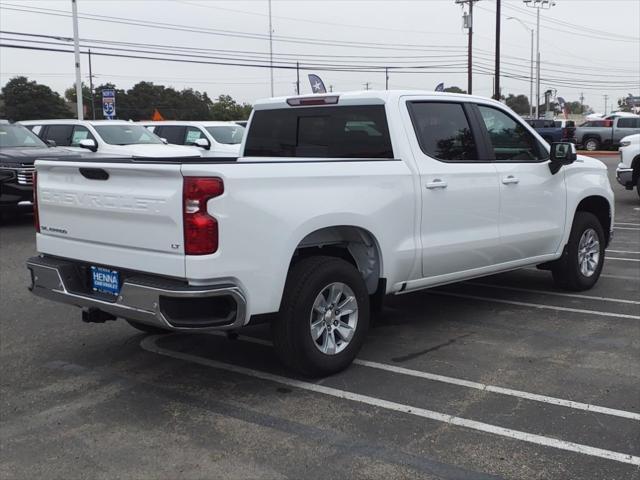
column 105, row 280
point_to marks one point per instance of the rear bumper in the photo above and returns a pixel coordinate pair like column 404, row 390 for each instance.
column 153, row 300
column 624, row 175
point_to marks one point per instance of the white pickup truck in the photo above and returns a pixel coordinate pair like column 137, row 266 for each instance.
column 336, row 201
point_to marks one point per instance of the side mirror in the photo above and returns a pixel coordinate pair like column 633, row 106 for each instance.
column 164, row 140
column 562, row 153
column 89, row 144
column 202, row 143
column 51, row 143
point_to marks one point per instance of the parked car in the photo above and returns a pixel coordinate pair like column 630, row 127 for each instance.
column 338, row 200
column 19, row 148
column 115, row 137
column 606, row 133
column 213, row 139
column 554, row 130
column 628, row 171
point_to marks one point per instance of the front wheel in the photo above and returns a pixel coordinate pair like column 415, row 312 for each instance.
column 592, row 144
column 324, row 316
column 583, row 259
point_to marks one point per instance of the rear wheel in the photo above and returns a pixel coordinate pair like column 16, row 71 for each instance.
column 583, row 259
column 143, row 327
column 324, row 316
column 591, row 144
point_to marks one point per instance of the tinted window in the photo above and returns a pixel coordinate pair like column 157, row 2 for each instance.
column 80, row 133
column 511, row 141
column 443, row 131
column 18, row 136
column 126, row 135
column 628, row 123
column 320, row 132
column 172, row 134
column 61, row 134
column 227, row 134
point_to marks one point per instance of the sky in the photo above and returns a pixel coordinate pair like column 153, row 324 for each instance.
column 587, row 46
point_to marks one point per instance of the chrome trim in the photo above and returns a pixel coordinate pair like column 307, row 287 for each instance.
column 25, row 175
column 25, row 203
column 625, row 177
column 51, row 279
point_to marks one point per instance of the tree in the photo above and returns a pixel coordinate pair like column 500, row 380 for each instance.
column 454, row 90
column 226, row 108
column 518, row 103
column 25, row 100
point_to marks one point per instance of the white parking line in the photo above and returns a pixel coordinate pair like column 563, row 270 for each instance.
column 470, row 384
column 535, row 305
column 627, row 228
column 623, row 251
column 149, row 344
column 624, row 259
column 620, row 277
column 504, row 391
column 557, row 294
column 627, row 224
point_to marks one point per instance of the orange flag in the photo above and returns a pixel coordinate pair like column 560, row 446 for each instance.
column 156, row 117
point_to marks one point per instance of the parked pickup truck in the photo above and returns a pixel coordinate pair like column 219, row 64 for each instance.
column 593, row 135
column 628, row 171
column 336, row 201
column 554, row 130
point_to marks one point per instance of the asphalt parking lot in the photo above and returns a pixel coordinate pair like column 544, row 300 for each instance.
column 503, row 377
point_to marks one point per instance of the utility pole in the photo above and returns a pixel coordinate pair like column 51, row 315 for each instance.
column 468, row 24
column 76, row 52
column 366, row 85
column 497, row 87
column 606, row 98
column 538, row 4
column 386, row 78
column 271, row 48
column 581, row 103
column 298, row 78
column 93, row 107
column 531, row 66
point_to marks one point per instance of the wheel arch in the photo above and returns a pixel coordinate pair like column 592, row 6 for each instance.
column 354, row 244
column 600, row 207
column 635, row 165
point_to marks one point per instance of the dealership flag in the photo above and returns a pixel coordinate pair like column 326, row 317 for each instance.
column 440, row 87
column 317, row 86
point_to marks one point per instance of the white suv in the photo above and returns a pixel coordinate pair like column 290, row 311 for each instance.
column 213, row 139
column 113, row 137
column 628, row 171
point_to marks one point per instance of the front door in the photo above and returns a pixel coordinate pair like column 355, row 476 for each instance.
column 532, row 199
column 460, row 191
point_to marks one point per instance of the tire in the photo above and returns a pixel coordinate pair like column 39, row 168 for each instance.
column 638, row 185
column 143, row 327
column 591, row 144
column 569, row 272
column 308, row 280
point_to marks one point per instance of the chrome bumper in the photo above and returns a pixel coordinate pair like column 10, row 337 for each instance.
column 157, row 301
column 624, row 176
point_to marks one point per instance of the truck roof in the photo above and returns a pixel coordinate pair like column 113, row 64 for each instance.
column 365, row 97
column 73, row 121
column 195, row 123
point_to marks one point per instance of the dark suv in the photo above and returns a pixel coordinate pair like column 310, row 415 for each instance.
column 19, row 148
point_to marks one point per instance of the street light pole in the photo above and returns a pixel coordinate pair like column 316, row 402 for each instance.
column 531, row 66
column 76, row 52
column 538, row 4
column 270, row 48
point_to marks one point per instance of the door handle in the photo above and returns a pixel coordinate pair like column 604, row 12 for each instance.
column 436, row 183
column 509, row 179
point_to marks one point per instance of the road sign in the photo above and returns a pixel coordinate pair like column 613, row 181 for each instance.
column 109, row 103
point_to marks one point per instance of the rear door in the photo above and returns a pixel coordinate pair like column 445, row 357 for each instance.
column 460, row 192
column 532, row 199
column 115, row 214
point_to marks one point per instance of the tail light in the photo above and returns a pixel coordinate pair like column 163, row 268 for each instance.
column 200, row 228
column 36, row 217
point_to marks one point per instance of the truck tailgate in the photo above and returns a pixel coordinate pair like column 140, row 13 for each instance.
column 116, row 214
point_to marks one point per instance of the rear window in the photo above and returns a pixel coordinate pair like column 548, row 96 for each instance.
column 327, row 132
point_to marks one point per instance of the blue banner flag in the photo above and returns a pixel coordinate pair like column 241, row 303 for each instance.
column 440, row 87
column 317, row 86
